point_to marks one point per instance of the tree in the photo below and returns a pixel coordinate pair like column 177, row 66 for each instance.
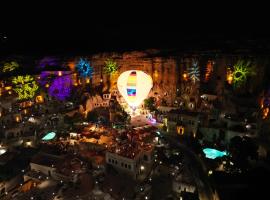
column 84, row 68
column 242, row 149
column 150, row 104
column 92, row 116
column 110, row 67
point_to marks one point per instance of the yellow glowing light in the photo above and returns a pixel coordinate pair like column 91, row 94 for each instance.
column 47, row 85
column 134, row 86
column 9, row 92
column 17, row 119
column 25, row 111
column 262, row 103
column 8, row 88
column 180, row 130
column 230, row 79
column 165, row 120
column 185, row 76
column 229, row 75
column 39, row 99
column 60, row 73
column 28, row 144
column 87, row 80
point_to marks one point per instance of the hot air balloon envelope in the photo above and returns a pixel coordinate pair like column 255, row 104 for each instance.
column 134, row 86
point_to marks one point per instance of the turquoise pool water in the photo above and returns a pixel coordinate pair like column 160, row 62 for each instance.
column 49, row 136
column 213, row 153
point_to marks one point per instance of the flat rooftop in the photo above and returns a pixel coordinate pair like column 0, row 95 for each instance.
column 46, row 160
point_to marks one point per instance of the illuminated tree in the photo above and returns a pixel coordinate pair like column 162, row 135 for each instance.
column 150, row 103
column 241, row 71
column 194, row 71
column 110, row 66
column 25, row 86
column 10, row 66
column 84, row 68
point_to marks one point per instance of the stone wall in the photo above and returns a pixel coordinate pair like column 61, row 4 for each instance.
column 167, row 69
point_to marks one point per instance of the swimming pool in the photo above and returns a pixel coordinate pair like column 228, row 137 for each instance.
column 213, row 153
column 49, row 136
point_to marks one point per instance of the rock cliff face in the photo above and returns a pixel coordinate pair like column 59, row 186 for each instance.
column 167, row 72
column 164, row 71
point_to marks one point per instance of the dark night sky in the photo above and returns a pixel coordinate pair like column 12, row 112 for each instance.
column 79, row 28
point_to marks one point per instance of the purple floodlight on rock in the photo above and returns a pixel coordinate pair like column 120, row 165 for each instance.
column 44, row 78
column 61, row 87
column 47, row 62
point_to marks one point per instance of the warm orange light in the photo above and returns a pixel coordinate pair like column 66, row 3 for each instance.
column 155, row 75
column 9, row 92
column 209, row 69
column 180, row 130
column 261, row 102
column 230, row 79
column 25, row 111
column 17, row 119
column 71, row 65
column 87, row 80
column 39, row 99
column 265, row 113
column 60, row 73
column 185, row 76
column 229, row 75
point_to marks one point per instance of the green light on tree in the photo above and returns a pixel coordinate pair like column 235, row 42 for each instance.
column 110, row 66
column 25, row 86
column 242, row 70
column 10, row 66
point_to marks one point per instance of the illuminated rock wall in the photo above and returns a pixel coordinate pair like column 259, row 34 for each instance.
column 167, row 70
column 162, row 70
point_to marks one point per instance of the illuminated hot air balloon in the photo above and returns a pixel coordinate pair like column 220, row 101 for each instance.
column 134, row 86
